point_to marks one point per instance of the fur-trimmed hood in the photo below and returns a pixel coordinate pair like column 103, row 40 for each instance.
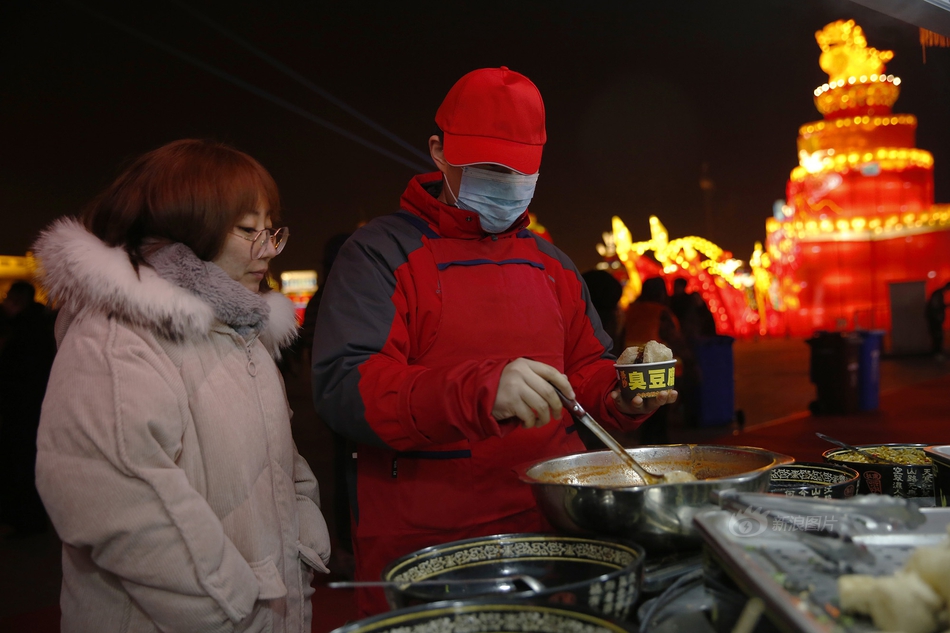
column 80, row 272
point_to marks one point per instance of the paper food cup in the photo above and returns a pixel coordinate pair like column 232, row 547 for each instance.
column 646, row 380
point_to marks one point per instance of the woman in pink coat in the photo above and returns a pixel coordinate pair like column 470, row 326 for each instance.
column 165, row 456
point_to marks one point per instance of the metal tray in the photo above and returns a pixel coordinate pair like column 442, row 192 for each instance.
column 799, row 587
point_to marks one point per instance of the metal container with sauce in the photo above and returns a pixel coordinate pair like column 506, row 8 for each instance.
column 592, row 493
column 908, row 478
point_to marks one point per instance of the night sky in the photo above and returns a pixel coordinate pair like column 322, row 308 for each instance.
column 638, row 96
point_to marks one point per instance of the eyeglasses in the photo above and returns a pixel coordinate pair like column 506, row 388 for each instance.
column 276, row 237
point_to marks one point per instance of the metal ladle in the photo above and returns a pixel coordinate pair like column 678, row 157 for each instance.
column 860, row 451
column 577, row 411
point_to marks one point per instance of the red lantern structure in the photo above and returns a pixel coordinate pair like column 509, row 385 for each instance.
column 860, row 213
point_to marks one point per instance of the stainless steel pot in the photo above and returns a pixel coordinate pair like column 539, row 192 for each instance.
column 604, row 575
column 485, row 616
column 591, row 493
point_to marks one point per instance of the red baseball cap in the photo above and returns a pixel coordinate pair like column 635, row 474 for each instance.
column 493, row 115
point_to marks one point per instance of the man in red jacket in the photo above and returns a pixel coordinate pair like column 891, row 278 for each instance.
column 441, row 333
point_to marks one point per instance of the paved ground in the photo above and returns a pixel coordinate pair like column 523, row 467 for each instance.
column 771, row 388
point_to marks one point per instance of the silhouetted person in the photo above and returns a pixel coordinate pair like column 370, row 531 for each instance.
column 694, row 316
column 605, row 292
column 936, row 314
column 649, row 318
column 680, row 302
column 343, row 554
column 707, row 322
column 696, row 324
column 25, row 361
column 330, row 249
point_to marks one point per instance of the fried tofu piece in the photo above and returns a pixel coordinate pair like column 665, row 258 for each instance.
column 652, row 352
column 902, row 602
column 932, row 564
column 629, row 356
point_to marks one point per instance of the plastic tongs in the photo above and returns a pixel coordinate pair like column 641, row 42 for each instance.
column 827, row 526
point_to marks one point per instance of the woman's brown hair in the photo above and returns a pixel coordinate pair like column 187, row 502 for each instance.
column 189, row 191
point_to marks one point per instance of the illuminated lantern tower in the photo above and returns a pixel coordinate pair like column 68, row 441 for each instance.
column 860, row 212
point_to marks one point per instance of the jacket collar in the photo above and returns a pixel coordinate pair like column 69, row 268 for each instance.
column 80, row 272
column 421, row 198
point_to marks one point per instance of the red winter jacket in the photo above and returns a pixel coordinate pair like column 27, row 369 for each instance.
column 421, row 314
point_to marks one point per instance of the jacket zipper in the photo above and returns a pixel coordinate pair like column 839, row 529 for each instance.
column 251, row 367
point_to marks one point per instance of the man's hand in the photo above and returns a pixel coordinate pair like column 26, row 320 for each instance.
column 639, row 406
column 525, row 392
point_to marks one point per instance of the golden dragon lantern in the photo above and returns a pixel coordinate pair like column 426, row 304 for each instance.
column 709, row 270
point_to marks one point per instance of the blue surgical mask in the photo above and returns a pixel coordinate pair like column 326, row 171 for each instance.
column 498, row 198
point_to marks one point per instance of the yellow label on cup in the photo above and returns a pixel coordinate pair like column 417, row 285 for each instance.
column 646, row 380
